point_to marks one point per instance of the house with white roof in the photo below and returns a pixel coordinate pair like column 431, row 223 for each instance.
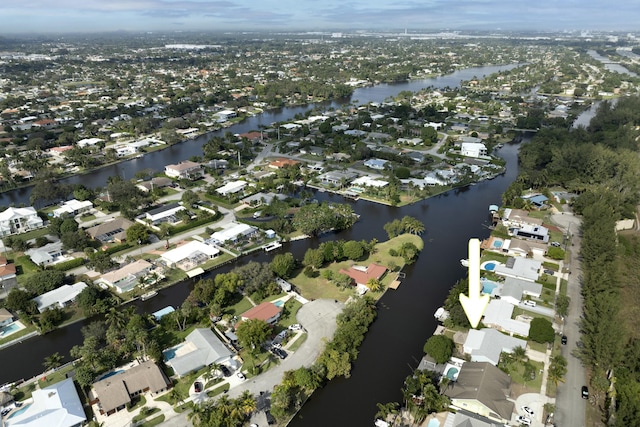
column 47, row 254
column 60, row 297
column 537, row 233
column 473, row 149
column 233, row 232
column 231, row 187
column 519, row 268
column 184, row 170
column 19, row 220
column 200, row 348
column 57, row 405
column 88, row 142
column 486, row 345
column 367, row 181
column 73, row 207
column 498, row 315
column 410, row 141
column 125, row 278
column 377, row 164
column 189, row 255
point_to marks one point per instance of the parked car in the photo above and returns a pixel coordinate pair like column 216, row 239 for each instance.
column 225, row 370
column 295, row 327
column 563, row 340
column 529, row 303
column 5, row 411
column 280, row 353
column 527, row 410
column 240, row 375
column 555, row 244
column 585, row 392
column 549, row 272
column 197, row 386
column 524, row 420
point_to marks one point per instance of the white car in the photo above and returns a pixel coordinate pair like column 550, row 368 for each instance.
column 527, row 411
column 524, row 420
column 529, row 303
column 295, row 327
column 240, row 375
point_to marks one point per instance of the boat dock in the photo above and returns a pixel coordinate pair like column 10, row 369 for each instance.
column 396, row 283
column 272, row 246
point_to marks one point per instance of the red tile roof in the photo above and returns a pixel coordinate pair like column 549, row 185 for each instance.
column 374, row 271
column 7, row 270
column 276, row 164
column 264, row 311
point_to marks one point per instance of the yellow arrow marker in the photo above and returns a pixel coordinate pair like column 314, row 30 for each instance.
column 475, row 304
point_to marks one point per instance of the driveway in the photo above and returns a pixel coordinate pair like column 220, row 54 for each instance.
column 319, row 319
column 570, row 407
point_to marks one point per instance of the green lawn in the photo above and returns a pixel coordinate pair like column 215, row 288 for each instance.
column 492, row 256
column 153, row 421
column 238, row 308
column 29, row 328
column 298, row 342
column 541, row 347
column 140, row 402
column 85, row 218
column 517, row 370
column 140, row 417
column 55, row 377
column 218, row 390
column 319, row 287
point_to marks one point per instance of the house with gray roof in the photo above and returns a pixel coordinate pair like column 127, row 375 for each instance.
column 111, row 231
column 113, row 393
column 513, row 290
column 46, row 254
column 200, row 348
column 486, row 345
column 460, row 419
column 482, row 389
column 519, row 268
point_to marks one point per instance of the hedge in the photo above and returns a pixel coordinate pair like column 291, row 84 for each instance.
column 117, row 248
column 68, row 265
column 193, row 224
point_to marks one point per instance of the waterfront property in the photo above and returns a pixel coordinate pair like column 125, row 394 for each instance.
column 73, row 207
column 233, row 232
column 19, row 220
column 482, row 389
column 473, row 149
column 184, row 170
column 513, row 290
column 189, row 255
column 125, row 278
column 361, row 275
column 200, row 348
column 6, row 317
column 266, row 311
column 59, row 297
column 498, row 315
column 114, row 393
column 519, row 268
column 486, row 345
column 57, row 405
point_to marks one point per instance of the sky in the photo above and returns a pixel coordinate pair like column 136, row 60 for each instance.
column 46, row 16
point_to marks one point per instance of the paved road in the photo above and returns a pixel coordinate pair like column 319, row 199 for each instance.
column 570, row 407
column 319, row 319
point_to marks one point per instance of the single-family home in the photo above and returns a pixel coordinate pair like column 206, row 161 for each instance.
column 125, row 278
column 112, row 231
column 377, row 164
column 73, row 207
column 153, row 183
column 47, row 254
column 200, row 348
column 89, row 142
column 486, row 345
column 498, row 315
column 532, row 232
column 519, row 268
column 337, row 177
column 231, row 187
column 164, row 213
column 473, row 149
column 539, row 200
column 19, row 220
column 184, row 170
column 8, row 278
column 459, row 419
column 115, row 392
column 515, row 218
column 189, row 255
column 361, row 275
column 59, row 297
column 513, row 290
column 410, row 141
column 281, row 163
column 482, row 389
column 56, row 405
column 266, row 311
column 5, row 317
column 367, row 181
column 233, row 232
column 226, row 115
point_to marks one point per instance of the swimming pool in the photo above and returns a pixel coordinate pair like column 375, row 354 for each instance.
column 488, row 286
column 171, row 353
column 110, row 374
column 278, row 303
column 19, row 411
column 433, row 423
column 452, row 373
column 10, row 328
column 497, row 244
column 490, row 266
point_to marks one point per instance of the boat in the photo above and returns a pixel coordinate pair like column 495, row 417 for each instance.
column 148, row 295
column 464, row 262
column 139, row 156
column 272, row 246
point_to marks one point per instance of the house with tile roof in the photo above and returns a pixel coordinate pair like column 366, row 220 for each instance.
column 361, row 275
column 266, row 311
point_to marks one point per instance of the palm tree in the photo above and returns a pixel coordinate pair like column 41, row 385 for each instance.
column 519, row 354
column 384, row 410
column 52, row 361
column 374, row 284
column 557, row 369
column 248, row 403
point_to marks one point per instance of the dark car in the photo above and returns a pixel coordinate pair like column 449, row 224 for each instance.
column 563, row 340
column 279, row 352
column 585, row 392
column 225, row 371
column 549, row 272
column 197, row 386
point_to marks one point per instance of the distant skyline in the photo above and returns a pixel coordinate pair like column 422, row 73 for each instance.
column 47, row 16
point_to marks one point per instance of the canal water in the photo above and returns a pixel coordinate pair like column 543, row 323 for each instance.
column 393, row 346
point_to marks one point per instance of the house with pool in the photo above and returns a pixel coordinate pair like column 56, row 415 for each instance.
column 516, row 267
column 200, row 348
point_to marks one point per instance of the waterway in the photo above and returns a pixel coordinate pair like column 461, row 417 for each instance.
column 193, row 147
column 405, row 320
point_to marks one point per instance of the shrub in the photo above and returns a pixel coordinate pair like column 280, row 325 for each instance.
column 68, row 265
